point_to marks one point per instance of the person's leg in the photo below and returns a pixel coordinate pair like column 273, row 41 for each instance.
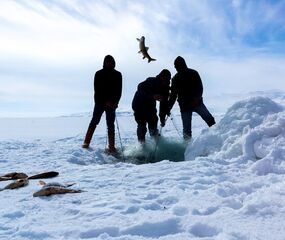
column 205, row 114
column 110, row 120
column 152, row 121
column 186, row 117
column 141, row 128
column 97, row 114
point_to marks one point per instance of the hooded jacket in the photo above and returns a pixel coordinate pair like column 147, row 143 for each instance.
column 107, row 83
column 186, row 86
column 144, row 101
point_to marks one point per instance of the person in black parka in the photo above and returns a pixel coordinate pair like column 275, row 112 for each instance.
column 107, row 94
column 187, row 88
column 144, row 104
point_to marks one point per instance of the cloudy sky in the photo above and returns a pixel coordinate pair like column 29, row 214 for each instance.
column 50, row 49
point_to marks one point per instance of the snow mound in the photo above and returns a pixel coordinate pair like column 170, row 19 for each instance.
column 251, row 130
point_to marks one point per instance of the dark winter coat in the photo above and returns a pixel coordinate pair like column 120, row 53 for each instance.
column 144, row 101
column 187, row 88
column 107, row 86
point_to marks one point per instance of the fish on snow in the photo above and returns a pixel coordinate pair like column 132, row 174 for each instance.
column 54, row 188
column 17, row 184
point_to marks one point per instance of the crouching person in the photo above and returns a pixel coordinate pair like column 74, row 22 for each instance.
column 107, row 94
column 144, row 104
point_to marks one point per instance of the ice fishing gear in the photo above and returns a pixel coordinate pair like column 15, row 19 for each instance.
column 175, row 125
column 117, row 123
column 152, row 156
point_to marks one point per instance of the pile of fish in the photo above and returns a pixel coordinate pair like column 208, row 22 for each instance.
column 22, row 180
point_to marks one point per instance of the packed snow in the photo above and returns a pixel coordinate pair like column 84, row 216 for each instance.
column 228, row 182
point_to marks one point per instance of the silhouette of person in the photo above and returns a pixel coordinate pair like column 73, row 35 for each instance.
column 187, row 88
column 144, row 104
column 107, row 94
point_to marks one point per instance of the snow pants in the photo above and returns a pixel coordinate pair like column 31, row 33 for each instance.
column 187, row 119
column 143, row 119
column 110, row 117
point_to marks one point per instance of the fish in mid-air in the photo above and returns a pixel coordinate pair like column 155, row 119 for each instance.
column 143, row 49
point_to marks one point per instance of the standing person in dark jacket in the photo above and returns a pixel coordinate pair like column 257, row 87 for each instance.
column 144, row 103
column 187, row 86
column 107, row 94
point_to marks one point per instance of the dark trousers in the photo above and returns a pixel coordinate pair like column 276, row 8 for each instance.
column 187, row 119
column 143, row 119
column 110, row 117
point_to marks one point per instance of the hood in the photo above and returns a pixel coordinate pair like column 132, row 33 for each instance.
column 180, row 63
column 109, row 60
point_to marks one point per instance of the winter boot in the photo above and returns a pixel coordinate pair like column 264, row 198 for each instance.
column 211, row 122
column 154, row 134
column 111, row 148
column 88, row 137
column 141, row 131
column 141, row 140
column 186, row 137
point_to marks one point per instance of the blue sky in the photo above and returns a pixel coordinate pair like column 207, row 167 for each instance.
column 50, row 50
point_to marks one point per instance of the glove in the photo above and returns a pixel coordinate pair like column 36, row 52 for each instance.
column 168, row 113
column 158, row 97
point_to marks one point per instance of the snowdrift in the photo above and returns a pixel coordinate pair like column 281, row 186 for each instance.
column 251, row 130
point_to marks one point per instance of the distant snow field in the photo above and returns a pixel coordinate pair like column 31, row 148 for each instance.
column 228, row 182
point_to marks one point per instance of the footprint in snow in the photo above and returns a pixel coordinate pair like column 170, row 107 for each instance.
column 203, row 230
column 180, row 211
column 206, row 212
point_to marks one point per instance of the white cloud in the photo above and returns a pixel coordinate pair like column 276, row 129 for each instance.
column 47, row 44
column 54, row 35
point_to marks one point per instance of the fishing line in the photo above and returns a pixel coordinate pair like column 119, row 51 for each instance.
column 117, row 123
column 157, row 140
column 175, row 125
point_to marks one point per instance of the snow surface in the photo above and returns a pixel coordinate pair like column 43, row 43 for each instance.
column 232, row 185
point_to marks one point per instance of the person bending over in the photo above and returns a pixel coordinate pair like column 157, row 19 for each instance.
column 144, row 104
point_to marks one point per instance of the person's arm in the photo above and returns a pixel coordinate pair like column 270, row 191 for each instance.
column 173, row 93
column 163, row 106
column 198, row 90
column 198, row 86
column 163, row 111
column 97, row 88
column 118, row 90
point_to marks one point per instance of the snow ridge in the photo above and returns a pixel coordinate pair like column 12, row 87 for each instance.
column 251, row 130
